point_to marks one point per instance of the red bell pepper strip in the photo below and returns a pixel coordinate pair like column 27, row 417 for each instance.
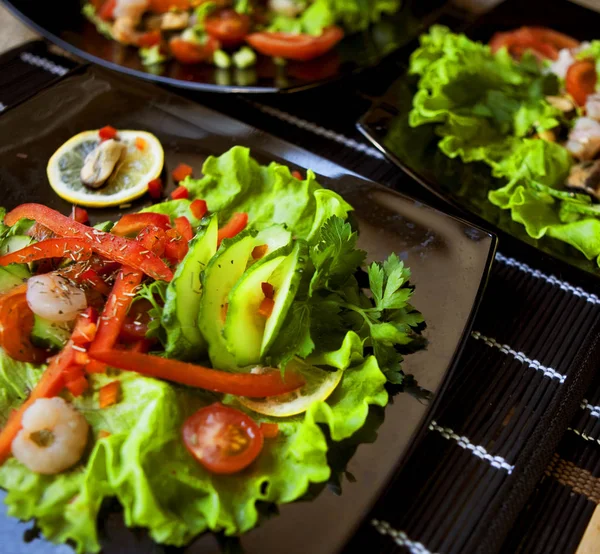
column 176, row 247
column 155, row 188
column 90, row 277
column 130, row 224
column 108, row 132
column 114, row 314
column 110, row 246
column 16, row 323
column 109, row 394
column 179, row 193
column 80, row 215
column 154, row 239
column 183, row 225
column 181, row 172
column 76, row 249
column 235, row 225
column 241, row 384
column 51, row 384
column 198, row 208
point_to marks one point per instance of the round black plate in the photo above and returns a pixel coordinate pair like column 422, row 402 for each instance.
column 67, row 27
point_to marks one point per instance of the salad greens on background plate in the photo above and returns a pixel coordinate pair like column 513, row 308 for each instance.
column 498, row 128
column 349, row 442
column 226, row 62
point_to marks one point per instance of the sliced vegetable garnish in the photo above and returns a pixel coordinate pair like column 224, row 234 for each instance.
column 223, row 439
column 234, row 226
column 252, row 385
column 76, row 249
column 110, row 246
column 130, row 224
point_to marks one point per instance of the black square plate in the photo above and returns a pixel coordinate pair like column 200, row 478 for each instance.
column 68, row 28
column 415, row 149
column 449, row 260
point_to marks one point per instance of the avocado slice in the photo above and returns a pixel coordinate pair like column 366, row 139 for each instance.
column 244, row 326
column 221, row 274
column 182, row 304
column 286, row 281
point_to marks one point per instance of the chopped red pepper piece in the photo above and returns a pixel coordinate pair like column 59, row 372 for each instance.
column 80, row 215
column 183, row 225
column 154, row 239
column 181, row 172
column 107, row 133
column 146, row 40
column 114, row 248
column 76, row 249
column 114, row 314
column 253, row 385
column 90, row 277
column 107, row 11
column 130, row 224
column 267, row 289
column 198, row 208
column 180, row 192
column 259, row 251
column 155, row 188
column 109, row 394
column 266, row 307
column 176, row 247
column 77, row 386
column 235, row 225
column 297, row 175
column 140, row 143
column 269, row 430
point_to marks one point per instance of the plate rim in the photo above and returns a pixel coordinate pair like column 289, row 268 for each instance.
column 483, row 278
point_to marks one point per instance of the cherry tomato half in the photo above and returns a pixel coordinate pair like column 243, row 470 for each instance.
column 189, row 53
column 227, row 26
column 581, row 80
column 223, row 439
column 295, row 46
column 542, row 42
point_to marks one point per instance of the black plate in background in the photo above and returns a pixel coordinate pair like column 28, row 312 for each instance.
column 465, row 186
column 64, row 25
column 449, row 260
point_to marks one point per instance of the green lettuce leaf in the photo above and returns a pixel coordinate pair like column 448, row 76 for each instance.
column 173, row 496
column 235, row 182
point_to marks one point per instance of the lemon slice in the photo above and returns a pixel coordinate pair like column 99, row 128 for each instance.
column 128, row 181
column 319, row 386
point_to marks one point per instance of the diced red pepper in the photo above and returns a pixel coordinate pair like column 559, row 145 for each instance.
column 151, row 38
column 267, row 289
column 107, row 11
column 198, row 208
column 183, row 225
column 179, row 193
column 114, row 314
column 109, row 394
column 266, row 307
column 235, row 225
column 131, row 224
column 154, row 239
column 90, row 277
column 110, row 246
column 253, row 385
column 176, row 247
column 77, row 386
column 85, row 328
column 269, row 430
column 76, row 249
column 181, row 172
column 140, row 143
column 155, row 188
column 259, row 251
column 80, row 215
column 297, row 175
column 107, row 133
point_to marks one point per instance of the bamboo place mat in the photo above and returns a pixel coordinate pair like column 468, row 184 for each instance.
column 511, row 462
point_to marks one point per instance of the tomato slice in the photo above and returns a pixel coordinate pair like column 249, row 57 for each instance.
column 223, row 439
column 544, row 43
column 189, row 53
column 295, row 46
column 581, row 80
column 228, row 27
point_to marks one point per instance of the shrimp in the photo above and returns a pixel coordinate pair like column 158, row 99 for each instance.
column 53, row 436
column 54, row 298
column 128, row 14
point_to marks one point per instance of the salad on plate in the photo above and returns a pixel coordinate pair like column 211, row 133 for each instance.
column 528, row 106
column 230, row 32
column 194, row 360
